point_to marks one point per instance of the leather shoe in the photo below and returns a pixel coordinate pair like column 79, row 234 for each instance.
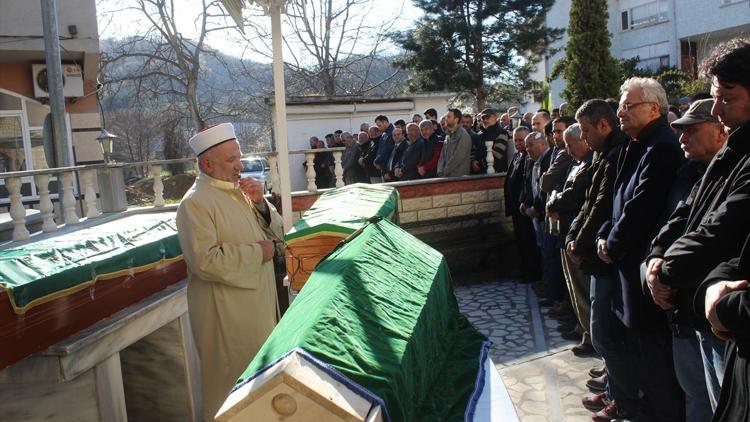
column 595, row 402
column 583, row 349
column 597, row 384
column 597, row 371
column 612, row 411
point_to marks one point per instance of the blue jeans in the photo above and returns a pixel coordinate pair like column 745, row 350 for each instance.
column 712, row 354
column 608, row 338
column 688, row 366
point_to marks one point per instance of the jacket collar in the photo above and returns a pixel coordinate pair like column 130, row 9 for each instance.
column 651, row 129
column 218, row 184
column 739, row 139
column 615, row 138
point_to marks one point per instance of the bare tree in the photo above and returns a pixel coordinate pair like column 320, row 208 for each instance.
column 332, row 46
column 162, row 61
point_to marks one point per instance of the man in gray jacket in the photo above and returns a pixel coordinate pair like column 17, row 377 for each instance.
column 456, row 153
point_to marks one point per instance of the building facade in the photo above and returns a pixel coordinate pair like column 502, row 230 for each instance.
column 24, row 103
column 677, row 33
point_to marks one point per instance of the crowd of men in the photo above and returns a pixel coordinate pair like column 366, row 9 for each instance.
column 635, row 215
column 423, row 148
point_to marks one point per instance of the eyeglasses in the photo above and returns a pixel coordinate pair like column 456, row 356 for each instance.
column 627, row 106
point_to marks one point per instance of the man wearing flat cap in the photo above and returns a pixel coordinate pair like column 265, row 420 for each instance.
column 228, row 233
column 499, row 137
column 698, row 353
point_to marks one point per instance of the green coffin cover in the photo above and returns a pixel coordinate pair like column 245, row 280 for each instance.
column 342, row 211
column 41, row 271
column 381, row 311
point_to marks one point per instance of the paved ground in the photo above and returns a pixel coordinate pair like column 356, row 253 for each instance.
column 545, row 380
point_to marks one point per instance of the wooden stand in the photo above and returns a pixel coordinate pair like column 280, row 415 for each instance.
column 296, row 390
column 139, row 364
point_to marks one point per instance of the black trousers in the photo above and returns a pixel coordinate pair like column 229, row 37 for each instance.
column 530, row 256
column 651, row 346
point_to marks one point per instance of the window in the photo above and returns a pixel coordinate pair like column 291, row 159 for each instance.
column 645, row 14
column 655, row 63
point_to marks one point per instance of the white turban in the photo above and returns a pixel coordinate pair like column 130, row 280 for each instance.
column 210, row 137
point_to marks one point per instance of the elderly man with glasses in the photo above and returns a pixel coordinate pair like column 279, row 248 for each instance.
column 646, row 170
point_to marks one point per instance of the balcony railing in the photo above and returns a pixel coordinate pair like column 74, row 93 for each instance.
column 91, row 201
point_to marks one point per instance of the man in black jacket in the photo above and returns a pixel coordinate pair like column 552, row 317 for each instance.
column 412, row 156
column 394, row 159
column 717, row 223
column 701, row 139
column 498, row 136
column 562, row 208
column 368, row 156
column 600, row 129
column 646, row 169
column 523, row 229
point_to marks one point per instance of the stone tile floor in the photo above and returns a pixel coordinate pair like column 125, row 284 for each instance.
column 545, row 380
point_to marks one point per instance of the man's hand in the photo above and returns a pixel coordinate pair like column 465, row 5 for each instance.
column 553, row 215
column 398, row 172
column 570, row 250
column 252, row 188
column 601, row 250
column 661, row 293
column 421, row 171
column 377, row 166
column 713, row 294
column 531, row 212
column 267, row 247
column 475, row 165
column 387, row 177
column 522, row 208
column 361, row 162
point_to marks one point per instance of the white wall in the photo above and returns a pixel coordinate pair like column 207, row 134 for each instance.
column 24, row 17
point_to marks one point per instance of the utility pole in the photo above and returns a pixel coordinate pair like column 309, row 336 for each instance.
column 55, row 83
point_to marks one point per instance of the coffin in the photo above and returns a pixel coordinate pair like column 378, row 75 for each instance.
column 52, row 288
column 334, row 216
column 376, row 334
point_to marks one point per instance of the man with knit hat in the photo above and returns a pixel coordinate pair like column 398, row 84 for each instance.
column 228, row 233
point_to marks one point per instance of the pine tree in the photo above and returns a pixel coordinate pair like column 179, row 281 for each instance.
column 590, row 70
column 471, row 46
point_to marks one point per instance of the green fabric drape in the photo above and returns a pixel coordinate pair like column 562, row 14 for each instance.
column 38, row 270
column 381, row 310
column 344, row 210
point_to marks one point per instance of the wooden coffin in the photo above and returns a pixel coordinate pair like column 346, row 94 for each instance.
column 332, row 218
column 375, row 332
column 58, row 286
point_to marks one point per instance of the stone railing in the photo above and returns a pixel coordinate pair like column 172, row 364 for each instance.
column 338, row 169
column 111, row 192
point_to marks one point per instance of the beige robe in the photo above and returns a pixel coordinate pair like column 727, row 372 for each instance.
column 231, row 292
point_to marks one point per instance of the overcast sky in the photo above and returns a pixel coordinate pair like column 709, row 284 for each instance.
column 117, row 22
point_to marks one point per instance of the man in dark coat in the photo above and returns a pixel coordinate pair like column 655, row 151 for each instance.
column 523, row 229
column 646, row 169
column 394, row 160
column 533, row 199
column 407, row 168
column 717, row 224
column 701, row 139
column 499, row 137
column 368, row 156
column 600, row 129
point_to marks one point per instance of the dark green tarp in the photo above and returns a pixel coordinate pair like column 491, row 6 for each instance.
column 41, row 270
column 381, row 310
column 342, row 211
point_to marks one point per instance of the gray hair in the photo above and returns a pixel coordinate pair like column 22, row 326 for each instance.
column 425, row 122
column 573, row 130
column 536, row 137
column 346, row 135
column 410, row 125
column 521, row 129
column 651, row 89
